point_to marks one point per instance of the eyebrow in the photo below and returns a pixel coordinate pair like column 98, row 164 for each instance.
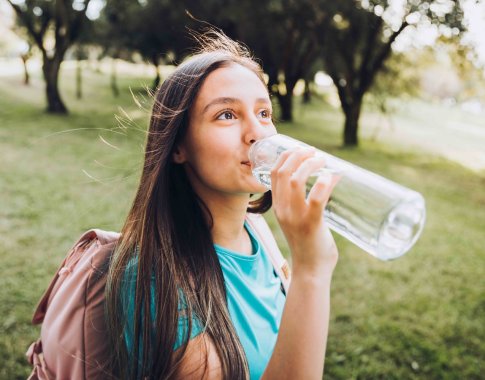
column 227, row 100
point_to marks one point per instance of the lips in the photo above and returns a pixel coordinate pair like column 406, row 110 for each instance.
column 248, row 163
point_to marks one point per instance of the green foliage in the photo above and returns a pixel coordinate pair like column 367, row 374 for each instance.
column 398, row 78
column 419, row 317
column 460, row 60
column 151, row 28
column 447, row 69
column 357, row 43
column 280, row 33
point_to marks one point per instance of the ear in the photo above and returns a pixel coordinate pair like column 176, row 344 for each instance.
column 178, row 155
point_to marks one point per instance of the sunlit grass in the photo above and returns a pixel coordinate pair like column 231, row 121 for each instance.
column 420, row 316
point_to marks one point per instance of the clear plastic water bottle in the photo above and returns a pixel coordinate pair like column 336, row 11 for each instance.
column 382, row 217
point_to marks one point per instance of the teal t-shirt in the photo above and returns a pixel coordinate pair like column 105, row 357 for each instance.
column 255, row 301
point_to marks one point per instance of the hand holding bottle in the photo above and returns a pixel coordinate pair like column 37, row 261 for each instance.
column 300, row 216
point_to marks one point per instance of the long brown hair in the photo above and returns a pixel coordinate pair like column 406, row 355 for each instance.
column 168, row 234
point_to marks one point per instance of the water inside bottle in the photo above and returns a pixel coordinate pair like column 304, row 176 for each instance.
column 263, row 175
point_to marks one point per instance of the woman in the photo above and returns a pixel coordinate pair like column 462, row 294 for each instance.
column 190, row 291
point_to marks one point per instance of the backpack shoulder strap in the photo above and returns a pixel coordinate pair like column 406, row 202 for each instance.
column 75, row 253
column 262, row 230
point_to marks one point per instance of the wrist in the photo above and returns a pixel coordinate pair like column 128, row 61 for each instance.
column 318, row 264
column 320, row 275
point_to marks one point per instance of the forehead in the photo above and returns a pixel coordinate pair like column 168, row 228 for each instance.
column 234, row 81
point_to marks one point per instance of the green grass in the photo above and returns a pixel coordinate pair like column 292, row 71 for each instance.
column 419, row 317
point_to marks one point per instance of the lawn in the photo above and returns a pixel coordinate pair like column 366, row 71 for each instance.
column 419, row 317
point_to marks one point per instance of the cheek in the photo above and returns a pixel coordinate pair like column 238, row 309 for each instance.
column 214, row 154
column 213, row 159
column 219, row 146
column 213, row 151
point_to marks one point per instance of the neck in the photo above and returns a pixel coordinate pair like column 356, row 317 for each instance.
column 228, row 214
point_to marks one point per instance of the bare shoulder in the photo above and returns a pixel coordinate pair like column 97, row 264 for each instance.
column 200, row 360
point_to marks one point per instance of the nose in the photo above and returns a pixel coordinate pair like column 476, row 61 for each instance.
column 254, row 130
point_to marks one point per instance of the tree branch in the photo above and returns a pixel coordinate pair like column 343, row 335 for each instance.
column 371, row 43
column 381, row 57
column 38, row 37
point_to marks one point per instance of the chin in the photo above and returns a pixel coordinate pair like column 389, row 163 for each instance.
column 257, row 188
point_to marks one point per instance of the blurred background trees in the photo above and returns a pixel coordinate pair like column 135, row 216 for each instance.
column 53, row 26
column 350, row 40
column 357, row 43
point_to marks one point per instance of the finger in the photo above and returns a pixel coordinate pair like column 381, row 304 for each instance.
column 279, row 162
column 299, row 178
column 287, row 163
column 294, row 160
column 282, row 158
column 308, row 166
column 320, row 193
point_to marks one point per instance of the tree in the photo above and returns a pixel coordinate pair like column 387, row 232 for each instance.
column 61, row 19
column 357, row 43
column 161, row 36
column 282, row 34
column 153, row 28
column 292, row 53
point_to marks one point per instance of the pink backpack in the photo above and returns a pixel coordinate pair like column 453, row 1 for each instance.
column 72, row 343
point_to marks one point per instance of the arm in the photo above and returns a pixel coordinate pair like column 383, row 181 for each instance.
column 200, row 361
column 300, row 348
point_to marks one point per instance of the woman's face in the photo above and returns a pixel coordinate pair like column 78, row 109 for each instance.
column 231, row 111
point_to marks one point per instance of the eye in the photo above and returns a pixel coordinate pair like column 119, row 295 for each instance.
column 226, row 115
column 265, row 114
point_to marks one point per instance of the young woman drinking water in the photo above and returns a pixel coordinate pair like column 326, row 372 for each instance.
column 191, row 291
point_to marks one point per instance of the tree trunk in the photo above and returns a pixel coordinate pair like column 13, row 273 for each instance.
column 79, row 80
column 114, row 81
column 156, row 63
column 352, row 114
column 286, row 106
column 25, row 58
column 97, row 66
column 307, row 93
column 157, row 79
column 285, row 100
column 51, row 68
